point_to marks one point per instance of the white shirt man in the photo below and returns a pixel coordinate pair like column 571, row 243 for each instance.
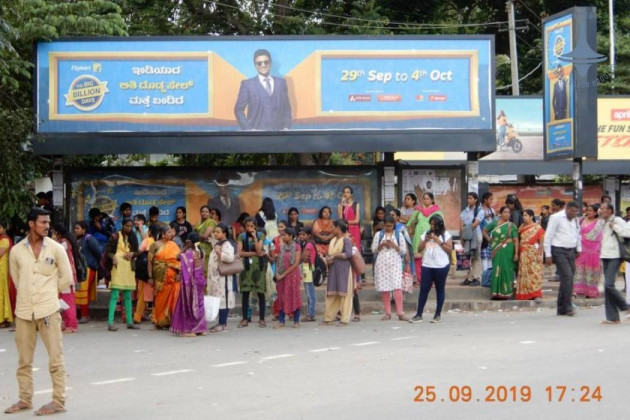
column 562, row 244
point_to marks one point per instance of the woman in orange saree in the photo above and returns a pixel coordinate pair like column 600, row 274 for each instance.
column 529, row 284
column 164, row 266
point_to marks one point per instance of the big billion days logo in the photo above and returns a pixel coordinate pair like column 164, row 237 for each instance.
column 86, row 93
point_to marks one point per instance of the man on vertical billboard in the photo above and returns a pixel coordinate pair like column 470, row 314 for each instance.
column 265, row 97
column 559, row 99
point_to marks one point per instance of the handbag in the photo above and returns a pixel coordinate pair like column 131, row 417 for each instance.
column 231, row 268
column 624, row 248
column 211, row 305
column 357, row 262
column 407, row 282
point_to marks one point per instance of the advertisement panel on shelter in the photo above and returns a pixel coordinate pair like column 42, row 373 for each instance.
column 231, row 191
column 613, row 128
column 265, row 84
column 444, row 184
column 520, row 131
column 559, row 87
column 534, row 197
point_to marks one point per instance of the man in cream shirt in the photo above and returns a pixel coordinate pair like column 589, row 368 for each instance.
column 40, row 269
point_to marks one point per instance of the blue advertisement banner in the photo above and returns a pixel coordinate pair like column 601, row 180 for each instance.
column 559, row 87
column 264, row 84
column 232, row 191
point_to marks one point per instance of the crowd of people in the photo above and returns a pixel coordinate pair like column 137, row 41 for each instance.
column 162, row 272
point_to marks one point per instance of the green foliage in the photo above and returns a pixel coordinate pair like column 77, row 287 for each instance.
column 23, row 22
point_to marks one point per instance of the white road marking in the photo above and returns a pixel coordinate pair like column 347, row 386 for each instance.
column 113, row 381
column 367, row 343
column 278, row 356
column 172, row 372
column 404, row 338
column 325, row 349
column 526, row 342
column 48, row 391
column 229, row 364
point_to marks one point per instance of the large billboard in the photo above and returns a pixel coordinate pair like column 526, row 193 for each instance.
column 559, row 87
column 264, row 84
column 230, row 190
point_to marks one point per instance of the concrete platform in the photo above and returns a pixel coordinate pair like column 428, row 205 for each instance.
column 458, row 298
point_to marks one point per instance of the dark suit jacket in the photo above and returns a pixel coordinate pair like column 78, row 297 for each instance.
column 252, row 95
column 560, row 100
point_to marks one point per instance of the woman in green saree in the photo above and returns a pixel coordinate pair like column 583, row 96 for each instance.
column 503, row 237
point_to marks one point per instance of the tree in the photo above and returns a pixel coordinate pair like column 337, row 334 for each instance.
column 21, row 23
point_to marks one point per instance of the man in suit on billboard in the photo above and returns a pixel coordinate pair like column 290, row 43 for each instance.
column 265, row 97
column 560, row 95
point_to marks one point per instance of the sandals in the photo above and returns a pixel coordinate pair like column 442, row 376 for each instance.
column 309, row 319
column 262, row 323
column 356, row 318
column 244, row 323
column 278, row 326
column 18, row 407
column 218, row 328
column 386, row 317
column 50, row 408
column 403, row 317
column 607, row 322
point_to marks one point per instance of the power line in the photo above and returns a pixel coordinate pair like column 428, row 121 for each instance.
column 405, row 25
column 533, row 13
column 521, row 79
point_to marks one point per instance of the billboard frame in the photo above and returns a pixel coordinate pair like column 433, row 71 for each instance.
column 312, row 141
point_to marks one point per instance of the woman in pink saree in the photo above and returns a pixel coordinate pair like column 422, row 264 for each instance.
column 588, row 265
column 350, row 210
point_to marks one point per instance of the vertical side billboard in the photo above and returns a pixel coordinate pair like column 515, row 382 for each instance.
column 559, row 87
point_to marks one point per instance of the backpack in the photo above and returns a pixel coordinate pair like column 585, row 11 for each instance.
column 80, row 265
column 320, row 270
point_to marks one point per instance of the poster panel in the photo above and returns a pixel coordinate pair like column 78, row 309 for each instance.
column 558, row 87
column 534, row 197
column 214, row 84
column 613, row 128
column 232, row 191
column 445, row 184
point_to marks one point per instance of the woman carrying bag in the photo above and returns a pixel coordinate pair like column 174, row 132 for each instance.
column 218, row 285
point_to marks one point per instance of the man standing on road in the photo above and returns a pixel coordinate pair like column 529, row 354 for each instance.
column 41, row 270
column 616, row 228
column 562, row 246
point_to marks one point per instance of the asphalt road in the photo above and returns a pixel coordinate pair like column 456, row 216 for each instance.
column 368, row 370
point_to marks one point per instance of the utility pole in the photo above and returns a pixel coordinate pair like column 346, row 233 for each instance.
column 516, row 91
column 611, row 26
